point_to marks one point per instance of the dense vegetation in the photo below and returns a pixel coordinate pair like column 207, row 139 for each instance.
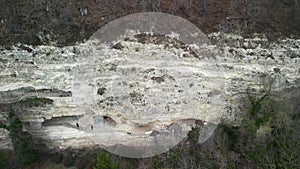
column 59, row 22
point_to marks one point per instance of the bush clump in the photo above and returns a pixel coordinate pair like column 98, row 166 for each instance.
column 21, row 141
column 104, row 162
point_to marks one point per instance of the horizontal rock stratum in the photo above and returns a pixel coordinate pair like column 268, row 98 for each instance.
column 141, row 91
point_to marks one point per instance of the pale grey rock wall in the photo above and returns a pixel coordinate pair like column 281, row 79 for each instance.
column 136, row 78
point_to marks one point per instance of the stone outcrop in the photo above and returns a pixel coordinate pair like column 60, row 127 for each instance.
column 139, row 90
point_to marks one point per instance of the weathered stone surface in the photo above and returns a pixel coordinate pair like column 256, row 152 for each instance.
column 123, row 83
column 5, row 142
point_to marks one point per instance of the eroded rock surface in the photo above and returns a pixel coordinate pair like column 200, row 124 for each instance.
column 139, row 90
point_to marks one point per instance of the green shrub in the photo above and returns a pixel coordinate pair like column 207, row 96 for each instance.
column 20, row 141
column 154, row 164
column 232, row 134
column 104, row 162
column 24, row 152
column 193, row 135
column 268, row 135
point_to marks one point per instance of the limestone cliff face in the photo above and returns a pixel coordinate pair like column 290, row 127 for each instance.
column 138, row 91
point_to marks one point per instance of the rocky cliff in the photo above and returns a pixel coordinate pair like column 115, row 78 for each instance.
column 64, row 102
